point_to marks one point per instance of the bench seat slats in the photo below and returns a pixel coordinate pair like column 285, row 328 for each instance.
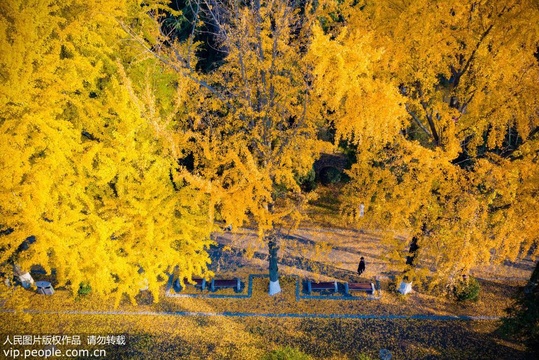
column 225, row 283
column 360, row 287
column 367, row 287
column 325, row 285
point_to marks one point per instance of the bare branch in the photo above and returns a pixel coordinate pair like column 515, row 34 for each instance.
column 416, row 119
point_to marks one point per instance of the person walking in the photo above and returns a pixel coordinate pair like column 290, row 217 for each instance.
column 361, row 266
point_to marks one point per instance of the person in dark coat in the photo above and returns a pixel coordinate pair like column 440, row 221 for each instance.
column 361, row 266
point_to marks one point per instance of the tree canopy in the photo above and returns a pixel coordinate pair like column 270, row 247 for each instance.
column 251, row 122
column 446, row 133
column 128, row 127
column 85, row 163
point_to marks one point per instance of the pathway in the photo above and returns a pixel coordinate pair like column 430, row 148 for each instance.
column 266, row 315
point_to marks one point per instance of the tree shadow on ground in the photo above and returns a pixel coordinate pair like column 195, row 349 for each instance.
column 525, row 264
column 406, row 339
column 306, row 241
column 333, row 338
column 498, row 289
column 234, row 257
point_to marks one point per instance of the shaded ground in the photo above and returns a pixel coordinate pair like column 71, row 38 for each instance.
column 169, row 337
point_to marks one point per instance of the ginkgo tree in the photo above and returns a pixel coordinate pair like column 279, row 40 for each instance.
column 86, row 161
column 252, row 123
column 439, row 100
column 122, row 140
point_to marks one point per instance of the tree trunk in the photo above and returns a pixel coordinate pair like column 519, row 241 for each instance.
column 274, row 287
column 533, row 283
column 412, row 252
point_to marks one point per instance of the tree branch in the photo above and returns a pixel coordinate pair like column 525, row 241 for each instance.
column 416, row 119
column 185, row 70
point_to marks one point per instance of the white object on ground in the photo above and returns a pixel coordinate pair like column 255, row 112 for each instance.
column 26, row 280
column 405, row 288
column 274, row 287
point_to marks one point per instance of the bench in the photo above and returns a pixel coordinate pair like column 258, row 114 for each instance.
column 199, row 283
column 366, row 287
column 320, row 286
column 224, row 284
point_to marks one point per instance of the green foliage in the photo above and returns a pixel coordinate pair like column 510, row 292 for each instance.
column 286, row 353
column 330, row 175
column 308, row 181
column 84, row 289
column 467, row 290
